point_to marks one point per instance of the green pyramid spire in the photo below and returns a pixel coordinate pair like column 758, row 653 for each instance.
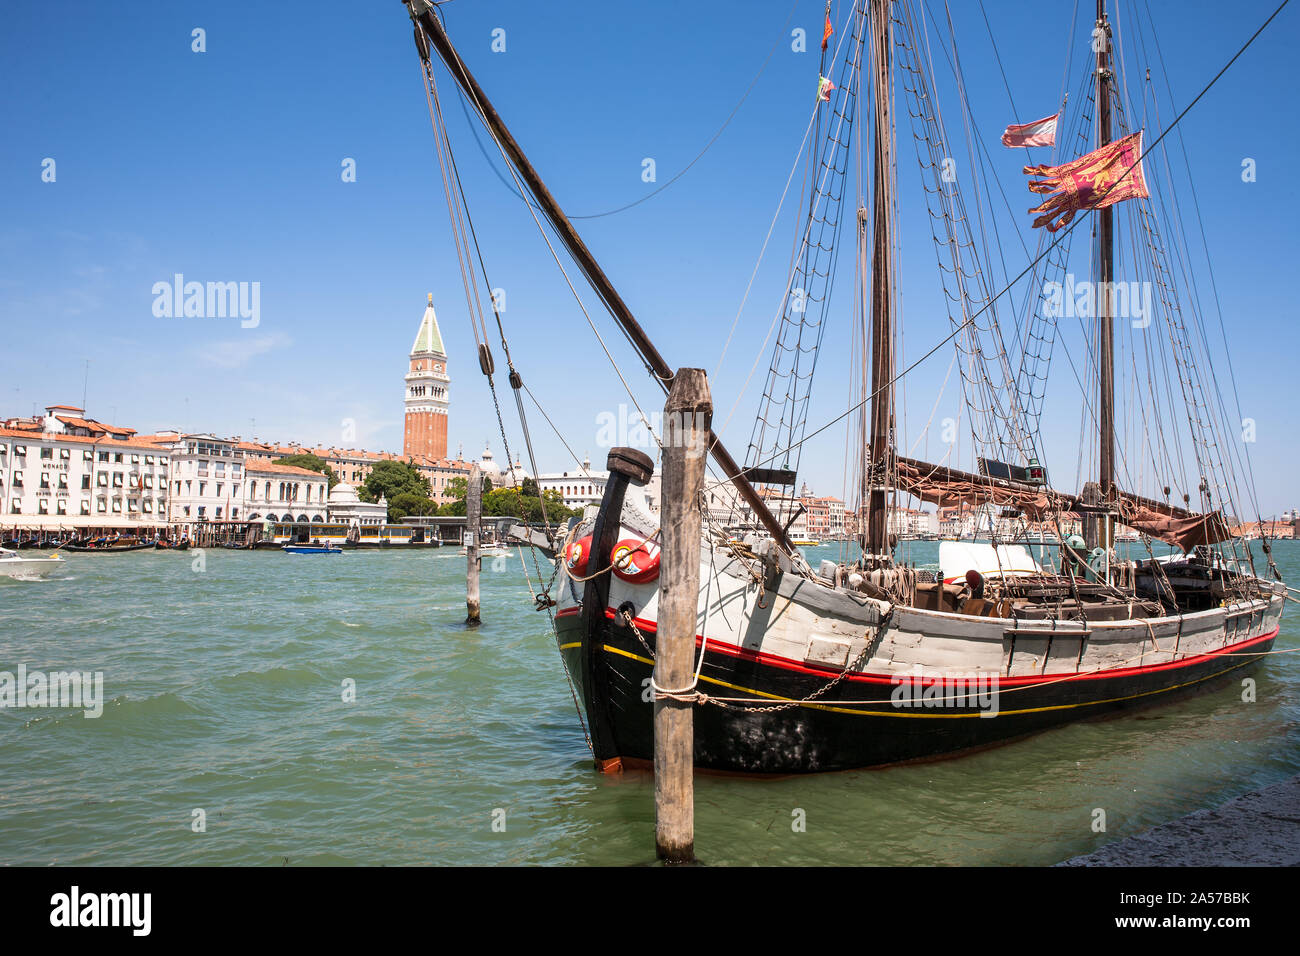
column 429, row 338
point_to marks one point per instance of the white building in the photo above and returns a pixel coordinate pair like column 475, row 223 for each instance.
column 212, row 481
column 345, row 507
column 65, row 471
column 578, row 488
column 207, row 475
column 912, row 522
column 285, row 493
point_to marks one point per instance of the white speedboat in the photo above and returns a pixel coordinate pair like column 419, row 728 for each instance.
column 489, row 549
column 13, row 565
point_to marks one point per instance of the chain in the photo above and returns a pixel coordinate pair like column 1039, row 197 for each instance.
column 702, row 698
column 627, row 619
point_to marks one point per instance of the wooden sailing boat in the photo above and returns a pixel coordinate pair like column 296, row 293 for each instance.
column 869, row 661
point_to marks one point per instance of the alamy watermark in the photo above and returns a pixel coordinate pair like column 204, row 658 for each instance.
column 628, row 427
column 83, row 690
column 1069, row 300
column 208, row 300
column 923, row 688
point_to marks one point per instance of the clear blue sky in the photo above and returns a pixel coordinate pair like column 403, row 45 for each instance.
column 225, row 166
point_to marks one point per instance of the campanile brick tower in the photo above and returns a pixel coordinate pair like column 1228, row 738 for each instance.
column 427, row 391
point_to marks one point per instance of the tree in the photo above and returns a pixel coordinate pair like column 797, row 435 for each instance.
column 528, row 488
column 407, row 503
column 311, row 463
column 556, row 510
column 504, row 502
column 452, row 508
column 388, row 479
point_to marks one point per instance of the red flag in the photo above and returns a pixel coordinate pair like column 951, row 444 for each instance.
column 826, row 33
column 1038, row 133
column 1102, row 178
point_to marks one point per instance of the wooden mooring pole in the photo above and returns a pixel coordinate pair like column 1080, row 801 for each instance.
column 688, row 416
column 473, row 519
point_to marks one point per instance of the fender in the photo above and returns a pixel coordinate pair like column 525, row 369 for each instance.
column 636, row 561
column 578, row 555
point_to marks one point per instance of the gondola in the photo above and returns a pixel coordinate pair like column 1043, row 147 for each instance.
column 116, row 547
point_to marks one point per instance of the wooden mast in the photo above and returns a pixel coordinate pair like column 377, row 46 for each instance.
column 1105, row 296
column 882, row 342
column 422, row 14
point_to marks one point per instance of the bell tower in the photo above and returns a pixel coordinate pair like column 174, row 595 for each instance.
column 427, row 391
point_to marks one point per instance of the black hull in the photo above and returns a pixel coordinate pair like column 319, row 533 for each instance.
column 109, row 549
column 837, row 732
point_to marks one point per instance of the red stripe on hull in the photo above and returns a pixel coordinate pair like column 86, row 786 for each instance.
column 786, row 663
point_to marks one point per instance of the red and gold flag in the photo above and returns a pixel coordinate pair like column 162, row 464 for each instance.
column 1102, row 178
column 827, row 31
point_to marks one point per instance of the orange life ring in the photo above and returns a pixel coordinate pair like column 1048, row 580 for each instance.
column 636, row 561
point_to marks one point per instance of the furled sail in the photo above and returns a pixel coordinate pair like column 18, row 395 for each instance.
column 948, row 487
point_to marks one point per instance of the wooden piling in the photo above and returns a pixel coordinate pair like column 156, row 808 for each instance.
column 688, row 416
column 473, row 520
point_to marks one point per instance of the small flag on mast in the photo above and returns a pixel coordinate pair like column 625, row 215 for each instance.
column 1102, row 178
column 824, row 88
column 828, row 30
column 1038, row 133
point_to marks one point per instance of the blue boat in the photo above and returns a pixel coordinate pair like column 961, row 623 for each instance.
column 311, row 549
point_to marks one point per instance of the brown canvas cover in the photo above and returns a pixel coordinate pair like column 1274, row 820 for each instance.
column 949, row 487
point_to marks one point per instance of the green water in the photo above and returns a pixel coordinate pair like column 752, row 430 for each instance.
column 224, row 693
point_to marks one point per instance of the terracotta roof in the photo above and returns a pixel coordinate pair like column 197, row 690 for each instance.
column 93, row 426
column 29, row 436
column 271, row 468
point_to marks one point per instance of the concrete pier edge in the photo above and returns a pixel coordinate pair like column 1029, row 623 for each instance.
column 1259, row 828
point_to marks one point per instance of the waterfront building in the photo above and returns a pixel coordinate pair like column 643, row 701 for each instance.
column 346, row 508
column 427, row 392
column 286, row 493
column 441, row 472
column 213, row 480
column 58, row 475
column 912, row 522
column 577, row 488
column 355, row 465
column 824, row 515
column 207, row 474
